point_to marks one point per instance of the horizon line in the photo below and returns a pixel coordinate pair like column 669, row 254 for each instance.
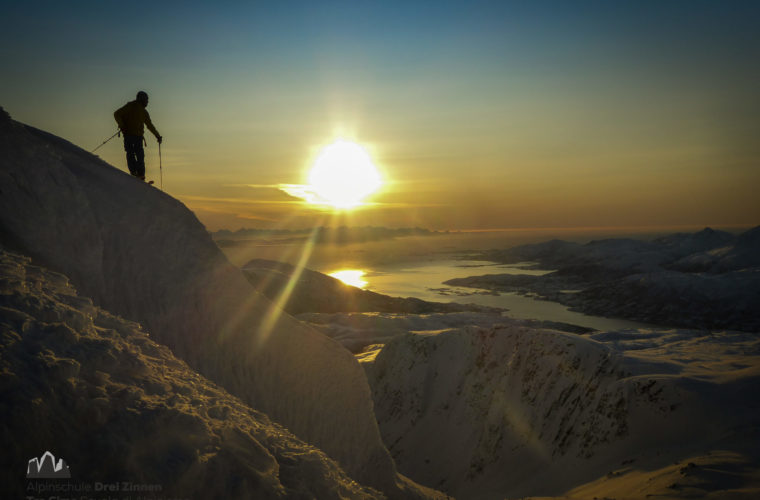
column 519, row 229
column 608, row 228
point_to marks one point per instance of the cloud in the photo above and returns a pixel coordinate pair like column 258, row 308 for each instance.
column 302, row 191
column 308, row 194
column 246, row 201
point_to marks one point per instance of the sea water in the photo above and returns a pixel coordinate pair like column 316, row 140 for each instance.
column 418, row 266
column 424, row 280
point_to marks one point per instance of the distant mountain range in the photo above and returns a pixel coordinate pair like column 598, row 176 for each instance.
column 705, row 280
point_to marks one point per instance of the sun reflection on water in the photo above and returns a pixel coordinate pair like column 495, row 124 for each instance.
column 351, row 277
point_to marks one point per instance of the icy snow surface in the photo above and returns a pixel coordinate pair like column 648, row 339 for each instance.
column 118, row 406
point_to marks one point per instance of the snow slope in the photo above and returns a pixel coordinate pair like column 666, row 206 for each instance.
column 119, row 407
column 141, row 254
column 510, row 411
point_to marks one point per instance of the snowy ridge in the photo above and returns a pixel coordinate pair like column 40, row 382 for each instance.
column 141, row 254
column 360, row 332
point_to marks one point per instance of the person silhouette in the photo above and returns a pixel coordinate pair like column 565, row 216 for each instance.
column 131, row 118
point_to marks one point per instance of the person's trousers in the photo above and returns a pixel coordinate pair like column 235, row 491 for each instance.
column 133, row 145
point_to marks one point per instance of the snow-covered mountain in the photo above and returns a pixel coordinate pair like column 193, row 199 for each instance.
column 141, row 254
column 680, row 244
column 121, row 407
column 510, row 411
column 734, row 254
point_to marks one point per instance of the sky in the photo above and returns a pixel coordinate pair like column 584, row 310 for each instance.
column 478, row 115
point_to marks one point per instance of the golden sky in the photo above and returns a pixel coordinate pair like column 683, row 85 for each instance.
column 478, row 115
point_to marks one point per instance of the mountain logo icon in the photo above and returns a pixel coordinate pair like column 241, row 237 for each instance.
column 46, row 467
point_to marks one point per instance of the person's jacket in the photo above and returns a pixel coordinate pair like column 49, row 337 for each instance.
column 131, row 118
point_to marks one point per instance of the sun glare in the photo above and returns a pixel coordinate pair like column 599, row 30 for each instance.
column 351, row 277
column 343, row 175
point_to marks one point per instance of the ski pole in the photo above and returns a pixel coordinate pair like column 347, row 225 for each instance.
column 102, row 143
column 160, row 167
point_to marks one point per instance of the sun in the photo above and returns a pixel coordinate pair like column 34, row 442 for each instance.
column 343, row 175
